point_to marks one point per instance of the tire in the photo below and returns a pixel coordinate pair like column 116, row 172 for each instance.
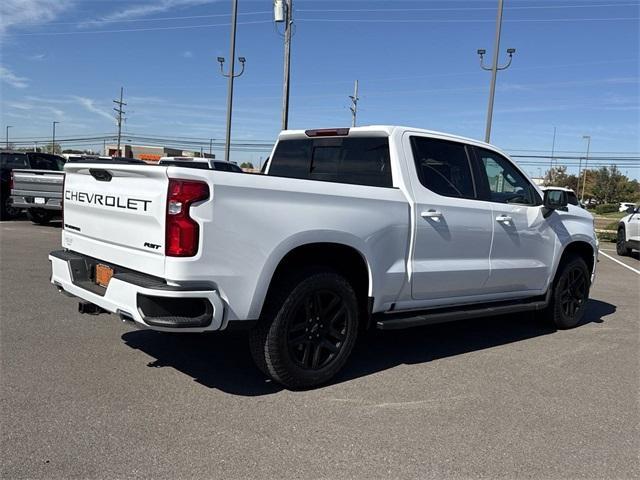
column 621, row 243
column 308, row 329
column 570, row 293
column 39, row 216
column 8, row 212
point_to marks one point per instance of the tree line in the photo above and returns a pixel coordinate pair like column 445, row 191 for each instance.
column 602, row 185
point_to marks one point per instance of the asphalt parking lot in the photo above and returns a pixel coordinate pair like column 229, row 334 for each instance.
column 504, row 397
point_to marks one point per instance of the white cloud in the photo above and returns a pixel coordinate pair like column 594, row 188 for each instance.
column 16, row 13
column 187, row 54
column 37, row 57
column 144, row 9
column 7, row 76
column 90, row 105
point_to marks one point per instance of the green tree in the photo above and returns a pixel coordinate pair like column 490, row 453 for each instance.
column 248, row 165
column 558, row 177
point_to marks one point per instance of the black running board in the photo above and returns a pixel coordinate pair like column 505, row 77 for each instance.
column 407, row 319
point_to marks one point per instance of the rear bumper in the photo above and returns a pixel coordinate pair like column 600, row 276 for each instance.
column 28, row 201
column 148, row 301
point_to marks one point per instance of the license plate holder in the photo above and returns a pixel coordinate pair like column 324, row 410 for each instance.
column 103, row 274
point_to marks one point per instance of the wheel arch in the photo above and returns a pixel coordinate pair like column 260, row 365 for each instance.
column 344, row 258
column 583, row 249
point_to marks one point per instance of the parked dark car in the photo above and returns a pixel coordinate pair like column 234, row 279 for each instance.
column 21, row 160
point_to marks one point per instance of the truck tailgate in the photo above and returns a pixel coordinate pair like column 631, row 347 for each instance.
column 116, row 213
column 31, row 182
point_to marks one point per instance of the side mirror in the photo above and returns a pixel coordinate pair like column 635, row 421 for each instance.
column 555, row 199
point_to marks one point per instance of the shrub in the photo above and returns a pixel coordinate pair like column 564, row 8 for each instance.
column 607, row 208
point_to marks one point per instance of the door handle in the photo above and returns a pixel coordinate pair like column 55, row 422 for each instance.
column 431, row 214
column 504, row 219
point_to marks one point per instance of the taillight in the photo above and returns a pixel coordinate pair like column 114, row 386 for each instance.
column 182, row 232
column 10, row 182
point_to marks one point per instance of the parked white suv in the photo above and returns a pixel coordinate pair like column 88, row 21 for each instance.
column 629, row 233
column 381, row 226
column 625, row 206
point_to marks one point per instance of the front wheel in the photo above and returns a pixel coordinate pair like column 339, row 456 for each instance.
column 621, row 243
column 570, row 293
column 308, row 329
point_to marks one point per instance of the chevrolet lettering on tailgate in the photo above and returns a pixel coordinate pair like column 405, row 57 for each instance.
column 107, row 200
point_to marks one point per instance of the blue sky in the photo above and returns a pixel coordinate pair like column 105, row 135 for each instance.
column 576, row 68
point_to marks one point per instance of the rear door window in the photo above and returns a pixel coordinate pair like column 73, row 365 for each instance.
column 355, row 160
column 443, row 166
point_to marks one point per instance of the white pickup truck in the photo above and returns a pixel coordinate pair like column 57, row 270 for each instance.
column 380, row 226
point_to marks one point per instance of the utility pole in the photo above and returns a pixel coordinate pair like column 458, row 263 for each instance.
column 586, row 162
column 553, row 149
column 53, row 138
column 8, row 127
column 283, row 11
column 494, row 69
column 119, row 111
column 354, row 104
column 231, row 75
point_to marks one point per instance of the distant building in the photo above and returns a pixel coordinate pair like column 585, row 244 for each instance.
column 150, row 154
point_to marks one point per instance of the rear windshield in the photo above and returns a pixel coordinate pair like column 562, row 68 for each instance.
column 13, row 160
column 355, row 160
column 227, row 167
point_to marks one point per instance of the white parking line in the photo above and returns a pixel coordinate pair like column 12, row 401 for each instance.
column 619, row 262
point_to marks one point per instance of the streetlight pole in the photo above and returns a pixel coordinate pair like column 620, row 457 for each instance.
column 288, row 6
column 586, row 162
column 231, row 75
column 494, row 69
column 53, row 138
column 8, row 127
column 354, row 104
column 553, row 151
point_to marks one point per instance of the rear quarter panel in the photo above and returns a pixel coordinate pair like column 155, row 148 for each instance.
column 252, row 221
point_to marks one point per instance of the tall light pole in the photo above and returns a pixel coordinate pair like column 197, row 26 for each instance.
column 53, row 138
column 283, row 13
column 553, row 151
column 8, row 127
column 494, row 69
column 231, row 75
column 354, row 104
column 586, row 162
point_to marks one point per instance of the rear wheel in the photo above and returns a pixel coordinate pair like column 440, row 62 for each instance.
column 570, row 293
column 621, row 243
column 8, row 211
column 39, row 216
column 308, row 329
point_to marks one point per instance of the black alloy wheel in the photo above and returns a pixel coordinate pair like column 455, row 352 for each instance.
column 621, row 243
column 317, row 330
column 308, row 328
column 573, row 290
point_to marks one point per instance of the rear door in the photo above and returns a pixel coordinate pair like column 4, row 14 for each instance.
column 523, row 245
column 450, row 257
column 116, row 213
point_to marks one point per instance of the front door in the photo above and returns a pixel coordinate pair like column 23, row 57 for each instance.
column 452, row 236
column 523, row 244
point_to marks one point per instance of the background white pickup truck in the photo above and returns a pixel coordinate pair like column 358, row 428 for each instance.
column 350, row 228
